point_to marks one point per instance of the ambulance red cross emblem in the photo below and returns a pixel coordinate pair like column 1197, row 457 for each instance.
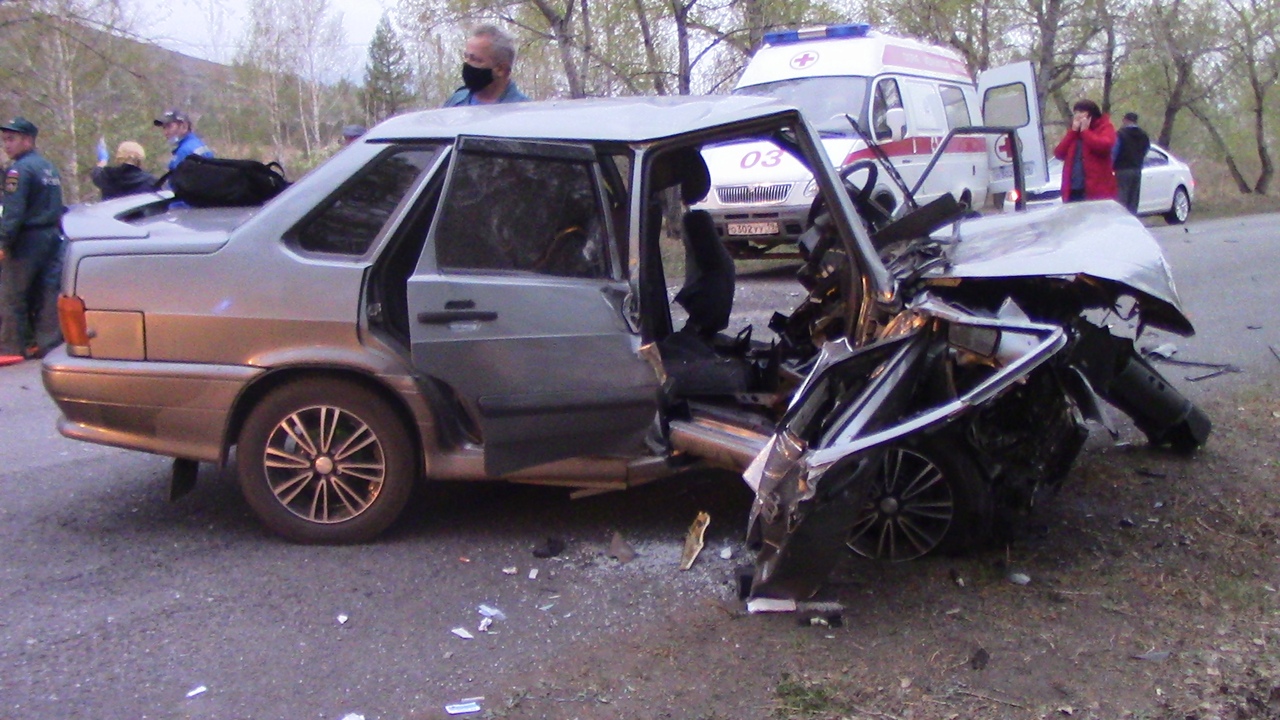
column 1003, row 152
column 804, row 60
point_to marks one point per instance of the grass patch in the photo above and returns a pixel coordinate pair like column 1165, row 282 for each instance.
column 801, row 698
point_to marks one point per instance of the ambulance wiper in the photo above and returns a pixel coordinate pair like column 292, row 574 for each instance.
column 876, row 150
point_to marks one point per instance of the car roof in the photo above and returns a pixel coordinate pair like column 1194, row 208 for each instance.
column 626, row 120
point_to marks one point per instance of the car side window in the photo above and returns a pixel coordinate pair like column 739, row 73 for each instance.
column 1155, row 158
column 956, row 108
column 887, row 97
column 926, row 108
column 526, row 213
column 348, row 222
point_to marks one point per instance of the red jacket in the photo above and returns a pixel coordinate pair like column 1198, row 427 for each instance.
column 1099, row 178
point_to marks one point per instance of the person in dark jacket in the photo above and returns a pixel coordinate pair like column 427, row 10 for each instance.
column 1085, row 152
column 125, row 178
column 30, row 247
column 1131, row 148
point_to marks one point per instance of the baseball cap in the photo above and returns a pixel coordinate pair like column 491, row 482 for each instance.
column 353, row 131
column 1131, row 116
column 171, row 116
column 20, row 125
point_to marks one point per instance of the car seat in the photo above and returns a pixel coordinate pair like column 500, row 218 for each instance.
column 709, row 278
column 692, row 363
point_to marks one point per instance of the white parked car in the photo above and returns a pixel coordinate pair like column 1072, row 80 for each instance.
column 1167, row 187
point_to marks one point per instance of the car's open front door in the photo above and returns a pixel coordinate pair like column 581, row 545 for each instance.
column 1009, row 100
column 517, row 305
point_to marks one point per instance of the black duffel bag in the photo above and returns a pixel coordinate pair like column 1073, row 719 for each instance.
column 224, row 182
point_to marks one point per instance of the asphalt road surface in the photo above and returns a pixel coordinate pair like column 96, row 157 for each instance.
column 116, row 603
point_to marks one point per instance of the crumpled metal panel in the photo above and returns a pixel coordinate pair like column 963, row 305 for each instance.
column 1098, row 239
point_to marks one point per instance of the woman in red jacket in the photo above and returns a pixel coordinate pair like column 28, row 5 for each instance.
column 1085, row 152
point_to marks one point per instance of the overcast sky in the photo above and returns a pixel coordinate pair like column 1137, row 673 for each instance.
column 182, row 25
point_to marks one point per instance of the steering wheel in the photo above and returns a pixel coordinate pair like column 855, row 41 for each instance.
column 568, row 239
column 861, row 196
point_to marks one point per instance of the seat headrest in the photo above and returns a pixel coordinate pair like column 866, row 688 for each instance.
column 686, row 167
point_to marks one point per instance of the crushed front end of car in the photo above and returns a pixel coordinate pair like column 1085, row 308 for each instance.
column 970, row 404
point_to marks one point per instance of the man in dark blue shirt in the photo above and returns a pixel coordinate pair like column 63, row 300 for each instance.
column 486, row 70
column 176, row 126
column 30, row 248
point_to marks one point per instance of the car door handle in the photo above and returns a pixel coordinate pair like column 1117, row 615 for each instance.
column 453, row 316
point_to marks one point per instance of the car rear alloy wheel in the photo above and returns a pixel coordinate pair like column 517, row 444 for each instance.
column 926, row 498
column 325, row 461
column 1180, row 210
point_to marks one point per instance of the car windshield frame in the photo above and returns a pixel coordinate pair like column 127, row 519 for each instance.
column 823, row 99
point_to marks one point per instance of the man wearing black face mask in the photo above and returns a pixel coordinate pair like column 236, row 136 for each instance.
column 486, row 70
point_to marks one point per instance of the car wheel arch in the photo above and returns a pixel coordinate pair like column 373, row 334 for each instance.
column 272, row 380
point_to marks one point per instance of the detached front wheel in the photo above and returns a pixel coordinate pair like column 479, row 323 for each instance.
column 325, row 461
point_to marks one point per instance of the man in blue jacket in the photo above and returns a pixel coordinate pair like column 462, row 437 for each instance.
column 30, row 248
column 176, row 126
column 486, row 70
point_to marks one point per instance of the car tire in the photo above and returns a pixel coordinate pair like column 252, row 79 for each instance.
column 325, row 461
column 929, row 498
column 1180, row 208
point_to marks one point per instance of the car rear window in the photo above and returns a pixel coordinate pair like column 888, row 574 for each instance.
column 349, row 220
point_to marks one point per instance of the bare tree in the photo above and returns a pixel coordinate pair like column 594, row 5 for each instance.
column 1252, row 39
column 55, row 52
column 1200, row 112
column 1179, row 55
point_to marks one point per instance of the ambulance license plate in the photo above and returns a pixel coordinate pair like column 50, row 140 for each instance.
column 753, row 228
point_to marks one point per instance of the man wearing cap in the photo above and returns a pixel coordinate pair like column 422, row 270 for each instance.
column 125, row 178
column 176, row 126
column 30, row 247
column 1127, row 157
column 486, row 70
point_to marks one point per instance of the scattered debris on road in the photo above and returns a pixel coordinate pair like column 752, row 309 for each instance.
column 464, row 706
column 693, row 541
column 621, row 550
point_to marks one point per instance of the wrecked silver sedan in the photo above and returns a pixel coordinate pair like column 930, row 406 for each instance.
column 522, row 293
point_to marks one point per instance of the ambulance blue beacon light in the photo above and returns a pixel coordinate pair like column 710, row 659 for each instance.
column 850, row 30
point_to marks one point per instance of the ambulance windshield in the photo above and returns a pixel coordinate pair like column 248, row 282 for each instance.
column 823, row 100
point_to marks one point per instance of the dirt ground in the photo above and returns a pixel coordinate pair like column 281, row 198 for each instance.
column 1152, row 593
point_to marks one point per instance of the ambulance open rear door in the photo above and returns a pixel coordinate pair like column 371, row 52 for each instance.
column 1008, row 95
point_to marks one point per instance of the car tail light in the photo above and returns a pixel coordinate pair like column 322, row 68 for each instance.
column 75, row 331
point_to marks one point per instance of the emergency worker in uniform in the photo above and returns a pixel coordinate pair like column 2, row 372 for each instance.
column 486, row 70
column 30, row 248
column 176, row 126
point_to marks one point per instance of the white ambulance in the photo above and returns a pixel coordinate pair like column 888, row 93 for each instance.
column 905, row 96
